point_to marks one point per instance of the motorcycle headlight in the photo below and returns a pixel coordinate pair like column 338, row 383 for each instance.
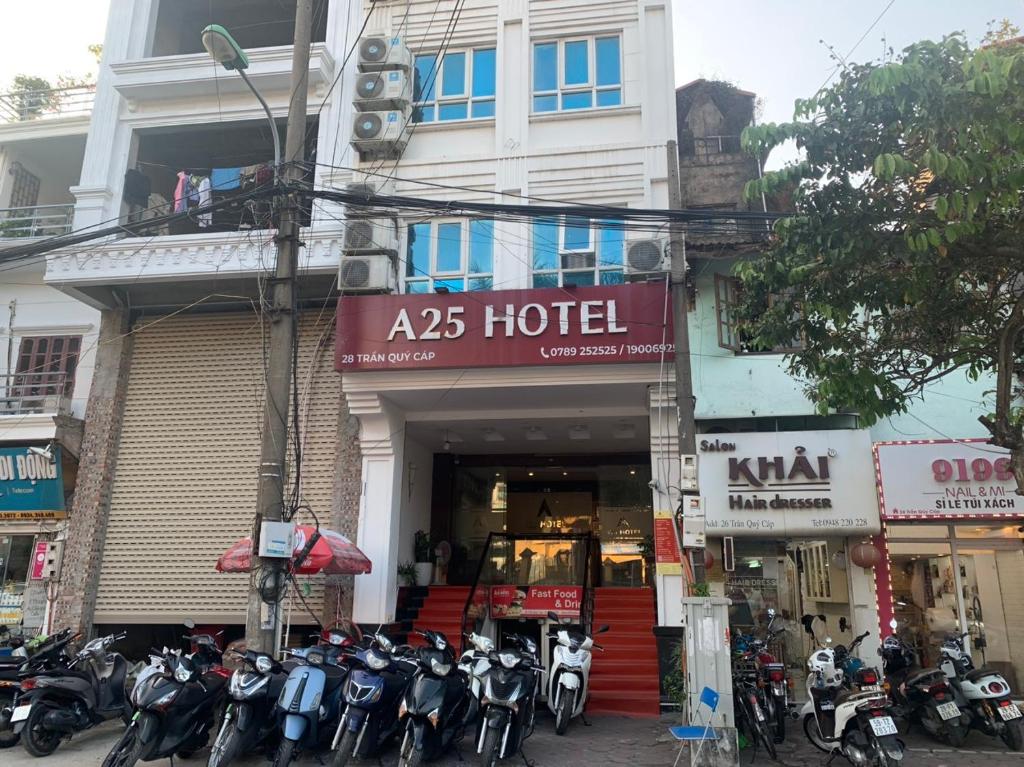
column 441, row 669
column 315, row 658
column 183, row 674
column 164, row 700
column 377, row 662
column 508, row 659
column 245, row 685
column 502, row 694
column 264, row 664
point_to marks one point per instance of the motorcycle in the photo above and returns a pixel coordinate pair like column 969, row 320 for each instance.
column 772, row 685
column 509, row 700
column 984, row 693
column 923, row 695
column 856, row 723
column 747, row 701
column 55, row 704
column 175, row 707
column 569, row 679
column 475, row 661
column 437, row 706
column 250, row 717
column 310, row 701
column 379, row 677
column 48, row 655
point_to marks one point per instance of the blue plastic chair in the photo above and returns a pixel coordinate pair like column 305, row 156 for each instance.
column 690, row 733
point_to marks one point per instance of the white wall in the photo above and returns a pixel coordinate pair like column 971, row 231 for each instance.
column 415, row 496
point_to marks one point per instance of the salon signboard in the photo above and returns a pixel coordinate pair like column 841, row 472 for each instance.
column 499, row 328
column 945, row 479
column 787, row 483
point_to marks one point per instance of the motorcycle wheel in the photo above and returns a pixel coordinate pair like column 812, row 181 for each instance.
column 955, row 735
column 411, row 756
column 780, row 722
column 7, row 736
column 564, row 713
column 126, row 751
column 285, row 753
column 760, row 727
column 492, row 747
column 1013, row 735
column 814, row 735
column 346, row 749
column 223, row 753
column 38, row 740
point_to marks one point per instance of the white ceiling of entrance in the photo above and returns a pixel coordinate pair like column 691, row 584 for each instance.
column 547, row 436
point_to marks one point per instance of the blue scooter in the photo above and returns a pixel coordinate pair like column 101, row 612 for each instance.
column 311, row 699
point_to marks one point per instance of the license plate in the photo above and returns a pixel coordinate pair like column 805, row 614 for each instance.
column 870, row 688
column 883, row 725
column 948, row 711
column 1006, row 712
column 20, row 714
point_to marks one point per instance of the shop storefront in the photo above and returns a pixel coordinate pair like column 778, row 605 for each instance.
column 783, row 510
column 32, row 501
column 955, row 559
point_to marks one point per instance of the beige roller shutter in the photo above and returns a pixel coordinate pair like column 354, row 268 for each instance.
column 185, row 481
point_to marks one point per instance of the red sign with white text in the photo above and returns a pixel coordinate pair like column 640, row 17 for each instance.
column 546, row 326
column 39, row 560
column 535, row 601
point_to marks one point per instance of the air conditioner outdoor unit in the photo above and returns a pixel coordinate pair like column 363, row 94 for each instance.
column 378, row 52
column 367, row 274
column 364, row 236
column 646, row 257
column 390, row 89
column 381, row 134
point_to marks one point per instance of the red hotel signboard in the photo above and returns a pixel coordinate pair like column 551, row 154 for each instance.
column 547, row 326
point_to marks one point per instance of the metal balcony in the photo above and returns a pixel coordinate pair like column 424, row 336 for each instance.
column 35, row 393
column 36, row 221
column 21, row 106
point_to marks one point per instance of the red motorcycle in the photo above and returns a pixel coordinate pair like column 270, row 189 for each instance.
column 772, row 685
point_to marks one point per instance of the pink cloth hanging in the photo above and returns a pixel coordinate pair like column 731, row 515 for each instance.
column 180, row 200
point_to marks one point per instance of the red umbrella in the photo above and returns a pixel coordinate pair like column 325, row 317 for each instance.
column 332, row 553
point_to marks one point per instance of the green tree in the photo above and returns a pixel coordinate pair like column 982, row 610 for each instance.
column 904, row 261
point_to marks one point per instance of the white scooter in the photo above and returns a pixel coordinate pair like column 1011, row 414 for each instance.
column 569, row 678
column 474, row 662
column 856, row 724
column 983, row 692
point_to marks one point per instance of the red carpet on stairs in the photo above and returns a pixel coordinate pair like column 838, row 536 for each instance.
column 441, row 611
column 624, row 679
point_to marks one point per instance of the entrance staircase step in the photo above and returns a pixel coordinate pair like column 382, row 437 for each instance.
column 641, row 703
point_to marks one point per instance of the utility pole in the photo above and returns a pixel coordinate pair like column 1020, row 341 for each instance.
column 685, row 403
column 262, row 619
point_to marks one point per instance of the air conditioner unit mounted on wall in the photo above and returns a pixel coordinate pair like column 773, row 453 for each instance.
column 391, row 89
column 367, row 274
column 378, row 52
column 364, row 236
column 381, row 135
column 646, row 257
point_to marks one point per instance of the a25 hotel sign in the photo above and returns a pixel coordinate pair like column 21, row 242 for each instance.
column 547, row 326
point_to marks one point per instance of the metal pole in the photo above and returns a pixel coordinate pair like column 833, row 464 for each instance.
column 685, row 403
column 262, row 621
column 270, row 119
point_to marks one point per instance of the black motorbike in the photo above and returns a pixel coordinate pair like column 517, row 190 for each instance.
column 379, row 678
column 923, row 695
column 57, row 703
column 508, row 700
column 438, row 705
column 50, row 654
column 175, row 709
column 250, row 717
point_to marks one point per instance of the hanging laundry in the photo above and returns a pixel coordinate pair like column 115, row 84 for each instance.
column 205, row 198
column 181, row 192
column 264, row 173
column 195, row 180
column 222, row 179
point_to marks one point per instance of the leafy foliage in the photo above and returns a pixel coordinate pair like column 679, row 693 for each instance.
column 904, row 261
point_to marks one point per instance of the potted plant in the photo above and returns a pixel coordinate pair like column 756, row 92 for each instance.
column 424, row 555
column 407, row 574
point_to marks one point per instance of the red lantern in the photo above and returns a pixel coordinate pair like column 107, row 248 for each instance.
column 709, row 559
column 865, row 555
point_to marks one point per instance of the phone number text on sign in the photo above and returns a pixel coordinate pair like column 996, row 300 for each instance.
column 605, row 351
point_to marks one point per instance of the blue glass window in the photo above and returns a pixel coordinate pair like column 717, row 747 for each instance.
column 425, row 77
column 545, row 103
column 545, row 67
column 481, row 246
column 481, row 283
column 572, row 250
column 612, row 237
column 576, row 234
column 462, row 87
column 454, row 286
column 484, row 72
column 583, row 279
column 452, row 111
column 609, row 98
column 449, row 248
column 483, row 108
column 545, row 244
column 609, row 70
column 545, row 280
column 612, row 277
column 418, row 261
column 577, row 63
column 422, row 286
column 453, row 75
column 577, row 100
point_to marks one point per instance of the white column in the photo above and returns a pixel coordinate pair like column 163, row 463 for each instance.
column 863, row 607
column 665, row 473
column 381, row 441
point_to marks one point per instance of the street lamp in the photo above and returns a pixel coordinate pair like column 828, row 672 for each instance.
column 225, row 51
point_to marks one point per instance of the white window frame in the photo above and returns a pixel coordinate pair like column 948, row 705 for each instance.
column 436, row 275
column 467, row 86
column 597, row 269
column 591, row 85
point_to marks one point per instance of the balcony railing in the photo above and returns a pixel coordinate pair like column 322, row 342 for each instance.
column 28, row 393
column 20, row 106
column 36, row 221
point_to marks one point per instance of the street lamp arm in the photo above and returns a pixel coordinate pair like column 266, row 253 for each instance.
column 270, row 119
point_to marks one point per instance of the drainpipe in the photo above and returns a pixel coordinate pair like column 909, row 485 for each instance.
column 12, row 311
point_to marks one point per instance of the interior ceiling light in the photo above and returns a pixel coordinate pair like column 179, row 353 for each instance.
column 535, row 434
column 493, row 435
column 624, row 431
column 579, row 432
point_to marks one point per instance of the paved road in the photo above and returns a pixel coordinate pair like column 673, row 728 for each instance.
column 609, row 741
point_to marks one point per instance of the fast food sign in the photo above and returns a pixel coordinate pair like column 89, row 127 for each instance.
column 535, row 601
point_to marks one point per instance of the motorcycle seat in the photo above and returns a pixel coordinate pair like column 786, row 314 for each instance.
column 334, row 677
column 979, row 673
column 916, row 677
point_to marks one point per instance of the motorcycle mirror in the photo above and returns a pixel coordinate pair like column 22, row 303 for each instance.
column 893, row 624
column 771, row 612
column 843, row 625
column 603, row 628
column 189, row 623
column 808, row 623
column 552, row 616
